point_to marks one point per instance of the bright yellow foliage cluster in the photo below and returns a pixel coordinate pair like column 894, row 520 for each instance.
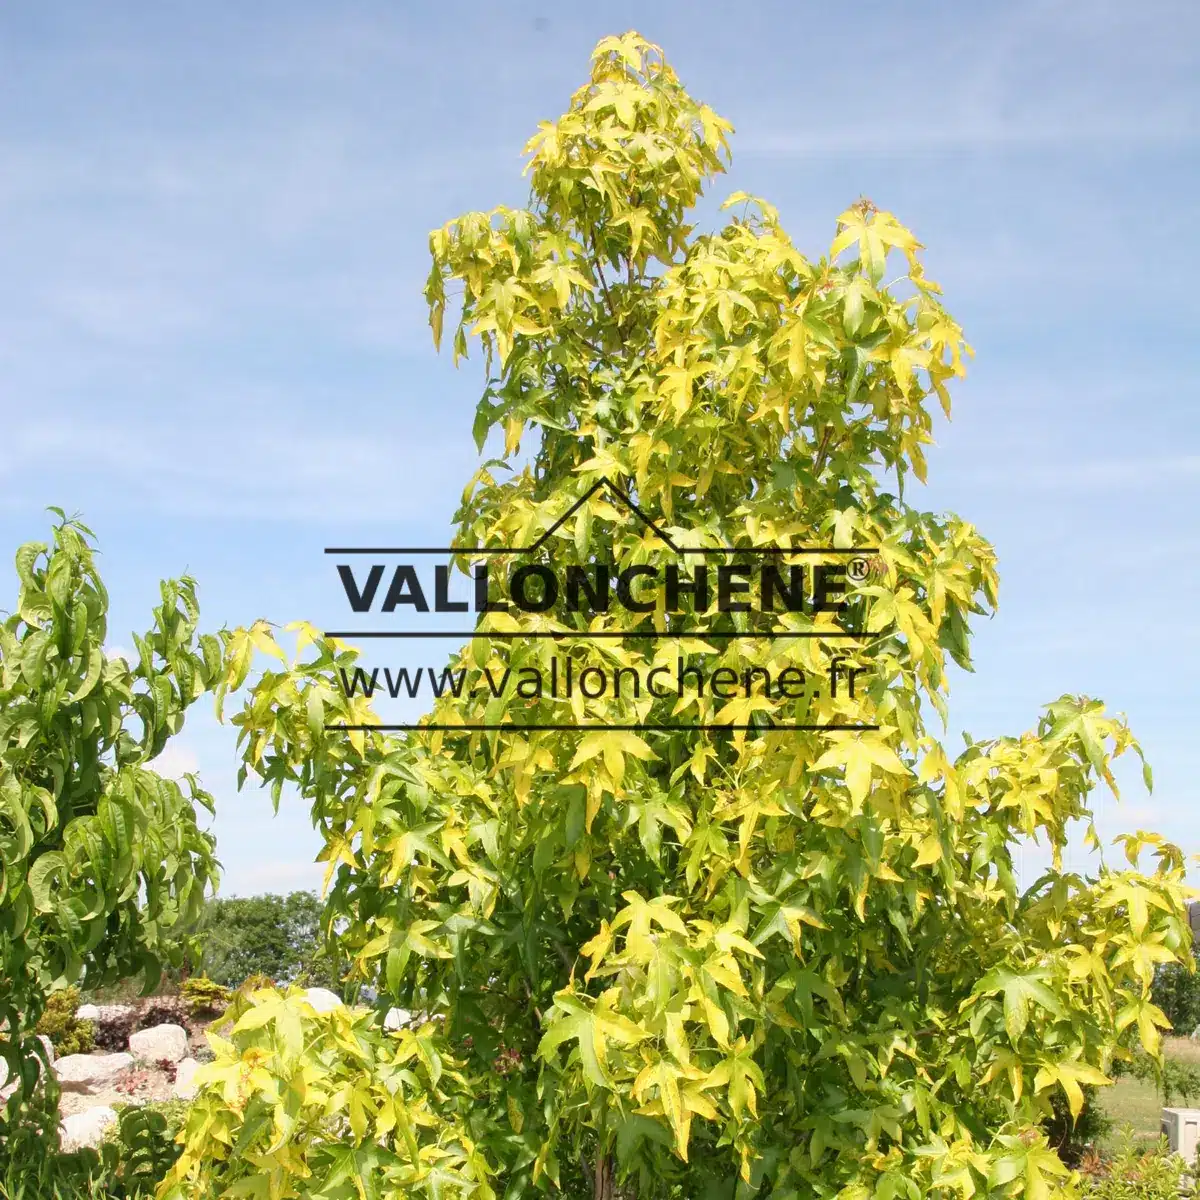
column 672, row 959
column 297, row 1099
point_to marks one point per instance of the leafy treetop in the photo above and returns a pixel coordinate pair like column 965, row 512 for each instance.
column 702, row 962
column 103, row 862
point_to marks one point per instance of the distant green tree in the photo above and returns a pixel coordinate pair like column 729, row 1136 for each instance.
column 1176, row 990
column 273, row 935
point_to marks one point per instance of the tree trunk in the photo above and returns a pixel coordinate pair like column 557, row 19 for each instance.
column 602, row 1182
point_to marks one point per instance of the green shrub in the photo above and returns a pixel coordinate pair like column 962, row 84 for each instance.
column 163, row 1010
column 203, row 995
column 113, row 1033
column 104, row 863
column 1072, row 1137
column 56, row 1177
column 1176, row 990
column 30, row 1171
column 1177, row 1082
column 137, row 1152
column 283, row 1135
column 59, row 1023
column 1137, row 1175
column 140, row 1148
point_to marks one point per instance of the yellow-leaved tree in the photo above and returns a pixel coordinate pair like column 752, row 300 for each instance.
column 718, row 939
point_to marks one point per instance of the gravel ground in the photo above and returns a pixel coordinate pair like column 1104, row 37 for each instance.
column 150, row 1084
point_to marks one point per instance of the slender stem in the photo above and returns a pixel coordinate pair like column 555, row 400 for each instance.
column 603, row 282
column 537, row 1012
column 820, row 455
column 589, row 344
column 594, row 256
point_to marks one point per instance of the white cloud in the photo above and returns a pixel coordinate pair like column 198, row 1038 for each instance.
column 253, row 470
column 177, row 760
column 250, row 879
column 1037, row 75
column 1124, row 815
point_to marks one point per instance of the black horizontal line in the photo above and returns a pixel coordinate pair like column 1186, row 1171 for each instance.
column 546, row 728
column 423, row 550
column 653, row 634
column 529, row 549
column 777, row 549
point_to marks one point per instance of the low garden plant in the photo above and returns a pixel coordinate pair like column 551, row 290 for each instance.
column 66, row 1031
column 140, row 1150
column 1137, row 1173
column 204, row 997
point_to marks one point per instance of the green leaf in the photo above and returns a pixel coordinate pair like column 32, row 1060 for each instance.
column 43, row 873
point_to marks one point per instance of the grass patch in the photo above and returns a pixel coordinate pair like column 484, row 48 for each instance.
column 1136, row 1104
column 1183, row 1049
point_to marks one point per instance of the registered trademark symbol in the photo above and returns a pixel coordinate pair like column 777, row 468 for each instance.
column 858, row 569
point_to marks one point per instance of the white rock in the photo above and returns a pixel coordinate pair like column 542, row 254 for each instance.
column 104, row 1014
column 90, row 1072
column 86, row 1128
column 396, row 1018
column 322, row 999
column 185, row 1081
column 159, row 1042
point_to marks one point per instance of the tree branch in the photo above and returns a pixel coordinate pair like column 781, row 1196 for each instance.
column 603, row 283
column 537, row 1012
column 819, row 458
column 594, row 259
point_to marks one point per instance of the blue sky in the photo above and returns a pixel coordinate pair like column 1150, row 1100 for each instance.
column 213, row 344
